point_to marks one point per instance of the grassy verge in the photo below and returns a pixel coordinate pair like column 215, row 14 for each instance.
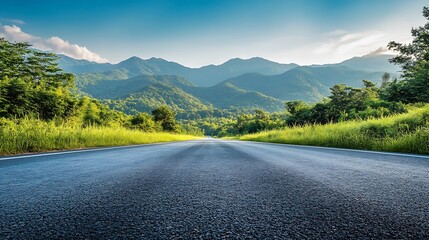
column 401, row 133
column 29, row 135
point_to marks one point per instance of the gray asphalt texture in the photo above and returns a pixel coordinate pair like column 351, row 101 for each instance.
column 215, row 189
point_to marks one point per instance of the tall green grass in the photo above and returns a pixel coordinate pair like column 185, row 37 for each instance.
column 407, row 132
column 30, row 135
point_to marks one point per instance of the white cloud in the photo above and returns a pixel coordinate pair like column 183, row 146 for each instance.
column 59, row 45
column 343, row 44
column 14, row 33
column 54, row 44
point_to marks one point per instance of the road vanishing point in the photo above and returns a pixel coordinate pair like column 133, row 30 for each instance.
column 214, row 189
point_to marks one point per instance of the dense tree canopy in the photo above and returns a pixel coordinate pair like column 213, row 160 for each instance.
column 143, row 121
column 32, row 84
column 18, row 60
column 166, row 118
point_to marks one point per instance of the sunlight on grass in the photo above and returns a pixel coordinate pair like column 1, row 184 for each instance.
column 29, row 135
column 401, row 133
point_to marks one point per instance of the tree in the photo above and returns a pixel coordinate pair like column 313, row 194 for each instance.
column 300, row 112
column 414, row 60
column 344, row 103
column 262, row 115
column 295, row 106
column 32, row 84
column 143, row 121
column 346, row 100
column 340, row 95
column 15, row 98
column 261, row 121
column 368, row 93
column 18, row 60
column 166, row 118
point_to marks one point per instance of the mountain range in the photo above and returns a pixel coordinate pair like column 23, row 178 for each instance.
column 137, row 85
column 204, row 77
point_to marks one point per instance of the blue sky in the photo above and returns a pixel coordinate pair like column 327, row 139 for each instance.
column 199, row 32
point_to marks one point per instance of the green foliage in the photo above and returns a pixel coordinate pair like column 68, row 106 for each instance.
column 414, row 60
column 344, row 103
column 401, row 133
column 191, row 128
column 293, row 107
column 39, row 69
column 156, row 95
column 15, row 95
column 144, row 122
column 90, row 112
column 139, row 95
column 105, row 86
column 228, row 96
column 251, row 123
column 166, row 118
column 214, row 126
column 32, row 84
column 257, row 122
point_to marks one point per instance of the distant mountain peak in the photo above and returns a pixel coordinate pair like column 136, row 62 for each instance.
column 132, row 59
column 252, row 59
column 233, row 60
column 157, row 59
column 260, row 59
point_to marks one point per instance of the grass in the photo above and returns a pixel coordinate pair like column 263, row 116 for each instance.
column 30, row 135
column 407, row 133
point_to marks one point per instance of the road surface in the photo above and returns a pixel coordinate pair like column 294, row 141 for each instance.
column 214, row 189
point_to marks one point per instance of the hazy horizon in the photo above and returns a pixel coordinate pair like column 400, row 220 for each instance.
column 200, row 33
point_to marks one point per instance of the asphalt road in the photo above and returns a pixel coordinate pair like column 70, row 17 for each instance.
column 214, row 189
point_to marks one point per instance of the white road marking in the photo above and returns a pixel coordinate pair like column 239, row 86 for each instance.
column 78, row 151
column 344, row 149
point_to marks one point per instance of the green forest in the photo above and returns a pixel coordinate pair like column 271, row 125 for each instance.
column 43, row 107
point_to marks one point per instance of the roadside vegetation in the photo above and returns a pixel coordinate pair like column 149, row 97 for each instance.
column 408, row 132
column 41, row 110
column 32, row 135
